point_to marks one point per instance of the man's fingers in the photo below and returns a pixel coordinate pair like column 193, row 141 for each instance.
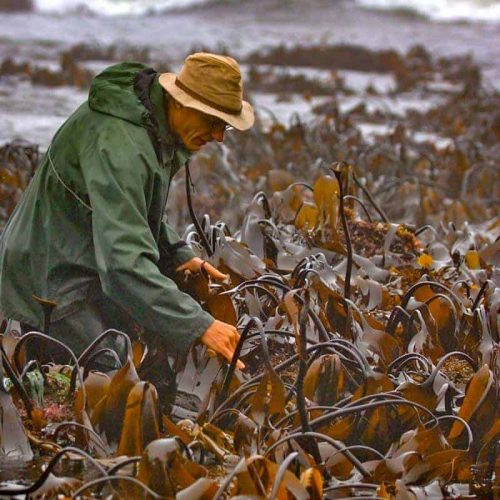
column 235, row 338
column 183, row 267
column 222, row 339
column 214, row 272
column 196, row 265
column 228, row 354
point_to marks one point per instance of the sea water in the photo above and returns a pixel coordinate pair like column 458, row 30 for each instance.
column 442, row 10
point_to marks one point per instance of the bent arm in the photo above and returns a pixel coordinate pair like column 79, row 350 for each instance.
column 126, row 253
column 173, row 251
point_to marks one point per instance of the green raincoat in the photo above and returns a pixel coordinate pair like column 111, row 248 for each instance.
column 90, row 225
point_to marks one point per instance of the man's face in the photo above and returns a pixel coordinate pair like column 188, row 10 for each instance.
column 194, row 128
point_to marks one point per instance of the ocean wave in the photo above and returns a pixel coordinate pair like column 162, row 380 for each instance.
column 442, row 10
column 114, row 7
column 439, row 10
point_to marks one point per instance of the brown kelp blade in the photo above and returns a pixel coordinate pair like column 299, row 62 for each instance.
column 269, row 398
column 108, row 415
column 324, row 382
column 140, row 424
column 480, row 406
column 165, row 470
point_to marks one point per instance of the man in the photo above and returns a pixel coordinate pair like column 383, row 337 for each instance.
column 88, row 240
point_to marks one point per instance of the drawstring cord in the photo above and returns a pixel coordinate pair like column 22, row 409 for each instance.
column 189, row 189
column 51, row 163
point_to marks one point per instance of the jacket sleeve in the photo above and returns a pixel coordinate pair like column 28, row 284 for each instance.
column 126, row 252
column 173, row 251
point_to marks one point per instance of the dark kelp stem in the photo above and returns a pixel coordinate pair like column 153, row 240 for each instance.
column 261, row 198
column 322, row 332
column 91, row 433
column 34, row 334
column 28, row 404
column 196, row 222
column 255, row 380
column 370, row 199
column 329, row 417
column 84, row 357
column 48, row 307
column 302, row 351
column 229, row 375
column 109, row 479
column 398, row 363
column 361, row 204
column 281, row 473
column 394, row 319
column 480, row 295
column 347, row 285
column 323, row 437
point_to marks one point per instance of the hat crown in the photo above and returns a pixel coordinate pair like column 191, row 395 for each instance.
column 215, row 78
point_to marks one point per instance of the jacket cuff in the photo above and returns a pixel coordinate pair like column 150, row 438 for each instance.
column 175, row 257
column 186, row 339
column 181, row 255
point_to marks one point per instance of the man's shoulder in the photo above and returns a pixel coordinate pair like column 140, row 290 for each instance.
column 98, row 123
column 94, row 117
column 88, row 129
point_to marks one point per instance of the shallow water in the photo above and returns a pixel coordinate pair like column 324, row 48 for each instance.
column 20, row 474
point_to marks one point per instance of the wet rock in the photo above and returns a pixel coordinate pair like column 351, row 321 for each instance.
column 350, row 57
column 46, row 77
column 96, row 52
column 9, row 67
column 72, row 71
column 283, row 84
column 15, row 5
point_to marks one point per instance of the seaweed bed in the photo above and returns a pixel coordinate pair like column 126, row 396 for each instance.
column 364, row 281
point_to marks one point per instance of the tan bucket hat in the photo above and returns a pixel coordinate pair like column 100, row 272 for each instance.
column 212, row 84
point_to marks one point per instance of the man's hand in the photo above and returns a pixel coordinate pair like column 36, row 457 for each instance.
column 195, row 265
column 222, row 338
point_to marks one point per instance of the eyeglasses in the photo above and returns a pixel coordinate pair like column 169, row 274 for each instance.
column 218, row 125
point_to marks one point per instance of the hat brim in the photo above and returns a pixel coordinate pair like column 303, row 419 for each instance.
column 243, row 121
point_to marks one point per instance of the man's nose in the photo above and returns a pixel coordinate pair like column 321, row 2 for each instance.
column 218, row 134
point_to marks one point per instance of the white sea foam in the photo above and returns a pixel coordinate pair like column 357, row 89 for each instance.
column 443, row 10
column 114, row 7
column 440, row 10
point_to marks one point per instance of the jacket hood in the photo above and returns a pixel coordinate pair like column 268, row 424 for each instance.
column 117, row 91
column 112, row 92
